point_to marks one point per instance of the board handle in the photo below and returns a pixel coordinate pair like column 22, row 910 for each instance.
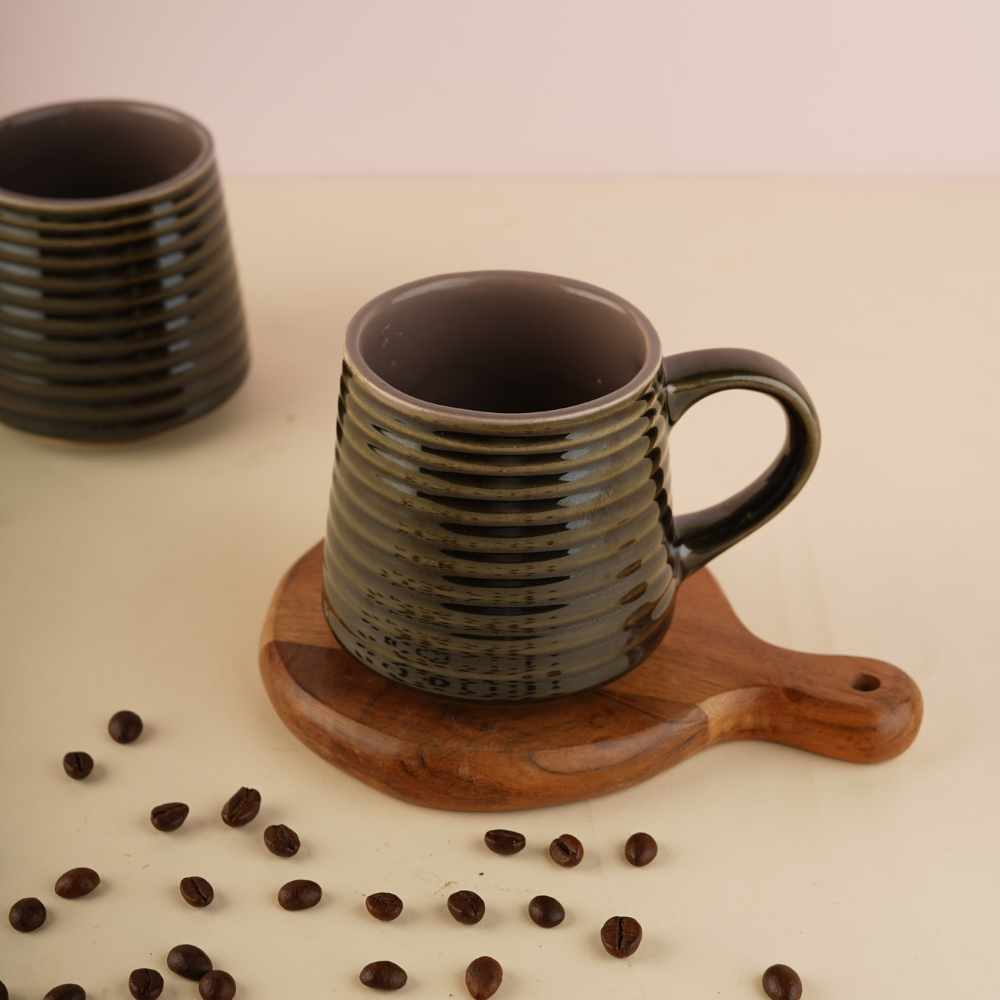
column 848, row 707
column 699, row 537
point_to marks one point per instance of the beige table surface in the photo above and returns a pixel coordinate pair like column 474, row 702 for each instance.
column 138, row 577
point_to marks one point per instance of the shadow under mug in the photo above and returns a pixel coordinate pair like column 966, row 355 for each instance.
column 500, row 524
column 120, row 310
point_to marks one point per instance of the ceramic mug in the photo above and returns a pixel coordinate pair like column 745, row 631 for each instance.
column 120, row 310
column 500, row 523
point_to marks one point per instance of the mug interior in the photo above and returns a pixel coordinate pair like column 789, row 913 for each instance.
column 95, row 150
column 512, row 343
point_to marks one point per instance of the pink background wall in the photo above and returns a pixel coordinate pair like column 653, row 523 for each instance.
column 570, row 87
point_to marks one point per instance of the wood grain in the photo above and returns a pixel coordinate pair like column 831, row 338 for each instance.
column 709, row 681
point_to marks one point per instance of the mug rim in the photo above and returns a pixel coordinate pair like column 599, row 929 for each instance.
column 127, row 199
column 486, row 419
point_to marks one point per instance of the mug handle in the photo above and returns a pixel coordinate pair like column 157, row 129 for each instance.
column 696, row 538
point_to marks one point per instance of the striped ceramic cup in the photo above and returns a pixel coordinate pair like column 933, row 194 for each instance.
column 500, row 523
column 120, row 311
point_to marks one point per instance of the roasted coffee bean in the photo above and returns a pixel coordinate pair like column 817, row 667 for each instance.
column 27, row 914
column 68, row 991
column 566, row 851
column 78, row 764
column 169, row 816
column 383, row 976
column 188, row 961
column 197, row 891
column 281, row 840
column 640, row 849
column 782, row 983
column 217, row 985
column 77, row 882
column 145, row 984
column 384, row 905
column 546, row 911
column 125, row 727
column 466, row 907
column 483, row 977
column 504, row 841
column 242, row 807
column 4, row 995
column 621, row 936
column 299, row 894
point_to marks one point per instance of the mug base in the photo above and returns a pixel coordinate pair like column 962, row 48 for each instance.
column 708, row 681
column 504, row 690
column 80, row 434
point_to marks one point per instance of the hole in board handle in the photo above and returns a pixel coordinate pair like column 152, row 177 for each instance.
column 865, row 682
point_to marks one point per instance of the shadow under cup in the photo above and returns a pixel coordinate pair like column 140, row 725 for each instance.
column 500, row 504
column 120, row 311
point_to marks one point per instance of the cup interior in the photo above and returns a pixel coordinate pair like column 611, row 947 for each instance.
column 95, row 150
column 504, row 344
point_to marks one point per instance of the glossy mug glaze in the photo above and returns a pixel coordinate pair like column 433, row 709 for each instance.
column 500, row 524
column 120, row 310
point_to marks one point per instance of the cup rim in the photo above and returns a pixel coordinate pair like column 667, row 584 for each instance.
column 485, row 419
column 127, row 199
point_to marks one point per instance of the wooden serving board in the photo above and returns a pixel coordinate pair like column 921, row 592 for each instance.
column 709, row 681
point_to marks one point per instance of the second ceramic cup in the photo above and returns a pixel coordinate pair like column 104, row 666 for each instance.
column 500, row 522
column 120, row 311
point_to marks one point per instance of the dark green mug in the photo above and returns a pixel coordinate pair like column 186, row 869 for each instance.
column 500, row 523
column 120, row 309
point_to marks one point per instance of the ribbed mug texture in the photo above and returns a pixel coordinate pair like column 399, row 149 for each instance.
column 120, row 315
column 499, row 565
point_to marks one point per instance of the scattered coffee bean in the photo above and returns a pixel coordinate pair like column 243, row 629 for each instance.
column 217, row 985
column 483, row 977
column 782, row 983
column 546, row 911
column 145, row 984
column 504, row 841
column 77, row 882
column 27, row 914
column 188, row 961
column 281, row 840
column 384, row 905
column 197, row 891
column 640, row 849
column 242, row 807
column 169, row 816
column 68, row 991
column 383, row 976
column 299, row 894
column 466, row 907
column 621, row 936
column 78, row 765
column 566, row 851
column 4, row 995
column 125, row 727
